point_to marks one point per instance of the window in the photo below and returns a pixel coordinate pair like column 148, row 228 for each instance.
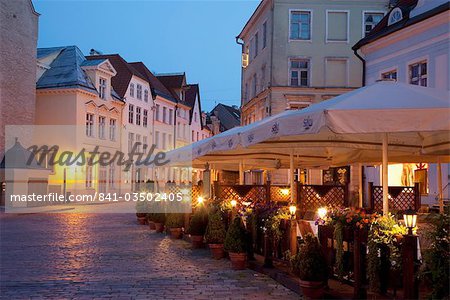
column 300, row 28
column 157, row 139
column 418, row 73
column 184, row 131
column 170, row 116
column 139, row 91
column 264, row 35
column 164, row 119
column 299, row 72
column 132, row 89
column 130, row 113
column 101, row 127
column 144, row 143
column 89, row 125
column 145, row 118
column 337, row 26
column 112, row 176
column 170, row 141
column 256, row 45
column 198, row 135
column 138, row 143
column 263, row 77
column 193, row 135
column 138, row 115
column 337, row 72
column 254, row 85
column 164, row 140
column 389, row 75
column 371, row 19
column 157, row 112
column 88, row 176
column 102, row 88
column 195, row 117
column 130, row 141
column 112, row 129
column 146, row 95
column 246, row 92
column 178, row 129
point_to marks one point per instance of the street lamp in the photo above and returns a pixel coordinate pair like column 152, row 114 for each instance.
column 322, row 212
column 292, row 210
column 233, row 203
column 410, row 218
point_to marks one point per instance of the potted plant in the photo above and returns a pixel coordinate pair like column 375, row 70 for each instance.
column 141, row 212
column 236, row 245
column 174, row 223
column 215, row 234
column 150, row 221
column 197, row 227
column 310, row 266
column 159, row 219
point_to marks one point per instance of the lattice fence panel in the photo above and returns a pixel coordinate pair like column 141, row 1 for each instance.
column 247, row 193
column 311, row 197
column 280, row 193
column 400, row 198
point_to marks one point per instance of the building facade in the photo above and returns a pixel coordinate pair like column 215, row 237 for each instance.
column 411, row 45
column 296, row 53
column 76, row 95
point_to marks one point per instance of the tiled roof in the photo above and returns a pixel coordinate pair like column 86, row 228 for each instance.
column 191, row 94
column 65, row 70
column 157, row 87
column 124, row 71
column 94, row 62
column 228, row 116
column 172, row 80
column 407, row 6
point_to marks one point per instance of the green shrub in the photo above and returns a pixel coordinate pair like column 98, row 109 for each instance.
column 309, row 264
column 141, row 208
column 235, row 240
column 199, row 221
column 175, row 220
column 215, row 231
column 437, row 269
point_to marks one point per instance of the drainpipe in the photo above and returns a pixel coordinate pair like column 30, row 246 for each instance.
column 355, row 51
column 240, row 42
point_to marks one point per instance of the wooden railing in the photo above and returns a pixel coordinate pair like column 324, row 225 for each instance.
column 311, row 197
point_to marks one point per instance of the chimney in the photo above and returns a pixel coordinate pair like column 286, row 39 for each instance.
column 95, row 52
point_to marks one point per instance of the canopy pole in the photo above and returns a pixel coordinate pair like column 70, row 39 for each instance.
column 441, row 193
column 291, row 176
column 360, row 185
column 385, row 175
column 241, row 173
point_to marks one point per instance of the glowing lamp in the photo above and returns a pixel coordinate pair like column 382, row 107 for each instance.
column 200, row 200
column 233, row 203
column 322, row 212
column 410, row 218
column 285, row 192
column 292, row 210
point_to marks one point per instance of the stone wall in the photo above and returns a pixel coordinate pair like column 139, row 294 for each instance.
column 18, row 42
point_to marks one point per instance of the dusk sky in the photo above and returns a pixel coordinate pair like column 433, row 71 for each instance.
column 197, row 37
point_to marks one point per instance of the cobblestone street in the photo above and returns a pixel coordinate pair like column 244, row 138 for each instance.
column 89, row 256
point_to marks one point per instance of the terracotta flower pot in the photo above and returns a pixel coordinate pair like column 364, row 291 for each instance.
column 313, row 289
column 142, row 220
column 217, row 251
column 151, row 225
column 159, row 227
column 197, row 241
column 175, row 233
column 238, row 260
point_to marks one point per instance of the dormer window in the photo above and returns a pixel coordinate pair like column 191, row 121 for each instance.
column 146, row 95
column 132, row 89
column 139, row 92
column 102, row 88
column 395, row 16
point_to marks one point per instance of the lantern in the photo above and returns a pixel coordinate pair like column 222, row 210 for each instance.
column 410, row 218
column 200, row 200
column 322, row 212
column 233, row 203
column 292, row 210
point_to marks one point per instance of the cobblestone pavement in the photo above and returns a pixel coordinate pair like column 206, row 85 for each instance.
column 89, row 256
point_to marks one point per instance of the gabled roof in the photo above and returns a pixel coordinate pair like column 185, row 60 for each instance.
column 65, row 70
column 191, row 95
column 157, row 87
column 409, row 18
column 173, row 81
column 228, row 116
column 124, row 71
